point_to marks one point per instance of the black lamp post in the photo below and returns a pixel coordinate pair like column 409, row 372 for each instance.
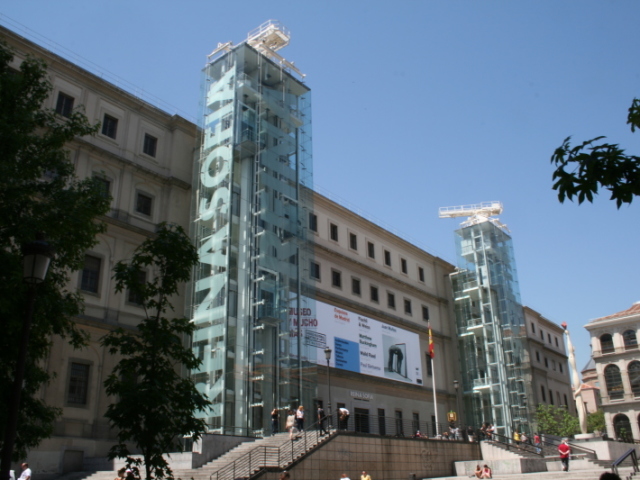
column 36, row 259
column 327, row 355
column 456, row 385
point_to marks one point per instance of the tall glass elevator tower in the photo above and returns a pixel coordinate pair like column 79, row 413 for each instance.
column 490, row 322
column 253, row 170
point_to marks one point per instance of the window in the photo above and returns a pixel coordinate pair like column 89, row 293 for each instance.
column 313, row 222
column 371, row 250
column 399, row 426
column 421, row 274
column 606, row 343
column 90, row 279
column 415, row 424
column 226, row 122
column 355, row 286
column 382, row 427
column 542, row 335
column 374, row 294
column 407, row 306
column 353, row 241
column 549, row 337
column 544, row 396
column 387, row 258
column 336, row 279
column 634, row 377
column 391, row 300
column 403, row 265
column 150, row 145
column 630, row 340
column 314, row 270
column 103, row 185
column 109, row 126
column 546, row 362
column 134, row 297
column 566, row 403
column 78, row 388
column 333, row 228
column 561, row 369
column 64, row 106
column 553, row 364
column 143, row 204
column 557, row 345
column 551, row 397
column 538, row 356
column 533, row 327
column 425, row 312
column 613, row 379
column 429, row 365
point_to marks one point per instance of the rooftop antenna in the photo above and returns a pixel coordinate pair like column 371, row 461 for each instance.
column 477, row 213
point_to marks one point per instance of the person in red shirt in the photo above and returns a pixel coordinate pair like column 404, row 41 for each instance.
column 565, row 452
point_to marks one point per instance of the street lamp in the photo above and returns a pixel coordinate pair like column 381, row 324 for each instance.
column 456, row 385
column 327, row 355
column 36, row 259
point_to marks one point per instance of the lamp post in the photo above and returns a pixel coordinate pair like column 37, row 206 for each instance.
column 327, row 355
column 456, row 385
column 36, row 259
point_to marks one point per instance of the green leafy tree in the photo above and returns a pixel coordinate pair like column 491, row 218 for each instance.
column 154, row 403
column 595, row 422
column 39, row 192
column 583, row 169
column 556, row 421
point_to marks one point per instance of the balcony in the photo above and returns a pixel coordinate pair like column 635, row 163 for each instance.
column 614, row 351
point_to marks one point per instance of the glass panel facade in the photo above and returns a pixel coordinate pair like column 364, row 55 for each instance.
column 491, row 330
column 250, row 216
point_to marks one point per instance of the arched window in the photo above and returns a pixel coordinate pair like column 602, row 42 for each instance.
column 606, row 343
column 630, row 340
column 613, row 379
column 622, row 427
column 634, row 377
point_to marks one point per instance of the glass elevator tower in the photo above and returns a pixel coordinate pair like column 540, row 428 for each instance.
column 252, row 174
column 490, row 322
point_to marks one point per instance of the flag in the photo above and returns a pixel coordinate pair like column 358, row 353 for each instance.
column 431, row 346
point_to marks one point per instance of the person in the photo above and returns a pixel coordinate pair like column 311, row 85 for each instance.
column 478, row 472
column 565, row 452
column 523, row 438
column 365, row 476
column 344, row 418
column 291, row 425
column 300, row 418
column 609, row 476
column 284, row 475
column 486, row 472
column 489, row 431
column 470, row 433
column 129, row 475
column 274, row 421
column 322, row 418
column 120, row 474
column 516, row 437
column 344, row 477
column 26, row 472
column 536, row 442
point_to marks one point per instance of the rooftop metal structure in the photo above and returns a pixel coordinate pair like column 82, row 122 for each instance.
column 477, row 213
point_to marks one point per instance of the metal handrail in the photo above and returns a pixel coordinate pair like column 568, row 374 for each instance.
column 587, row 452
column 511, row 444
column 634, row 459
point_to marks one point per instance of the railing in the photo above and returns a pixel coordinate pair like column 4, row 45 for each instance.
column 575, row 449
column 518, row 447
column 634, row 460
column 613, row 350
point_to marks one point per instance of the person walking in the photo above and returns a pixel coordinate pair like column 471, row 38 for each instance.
column 322, row 418
column 536, row 442
column 26, row 472
column 343, row 414
column 365, row 476
column 300, row 418
column 291, row 425
column 516, row 437
column 274, row 421
column 565, row 452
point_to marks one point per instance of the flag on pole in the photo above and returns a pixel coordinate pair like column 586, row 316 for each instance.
column 431, row 346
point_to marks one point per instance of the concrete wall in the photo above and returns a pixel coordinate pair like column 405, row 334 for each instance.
column 383, row 458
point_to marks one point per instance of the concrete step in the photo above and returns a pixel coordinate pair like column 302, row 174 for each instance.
column 570, row 475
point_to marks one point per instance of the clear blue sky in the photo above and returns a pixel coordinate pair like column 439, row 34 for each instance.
column 418, row 105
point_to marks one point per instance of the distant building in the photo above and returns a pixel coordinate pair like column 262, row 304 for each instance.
column 614, row 344
column 591, row 387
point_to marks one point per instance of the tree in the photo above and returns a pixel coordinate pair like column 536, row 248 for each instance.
column 582, row 170
column 39, row 192
column 595, row 422
column 155, row 404
column 556, row 421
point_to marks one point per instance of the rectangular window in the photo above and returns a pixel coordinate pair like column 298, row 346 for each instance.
column 387, row 258
column 421, row 274
column 90, row 280
column 333, row 232
column 399, row 426
column 546, row 362
column 336, row 279
column 374, row 294
column 551, row 397
column 144, row 204
column 371, row 250
column 542, row 335
column 557, row 342
column 313, row 222
column 533, row 327
column 561, row 369
column 553, row 364
column 403, row 265
column 109, row 126
column 544, row 396
column 382, row 427
column 425, row 312
column 133, row 297
column 78, row 389
column 64, row 106
column 391, row 300
column 355, row 286
column 314, row 270
column 150, row 145
column 104, row 186
column 353, row 241
column 226, row 122
column 407, row 306
column 538, row 356
column 549, row 337
column 566, row 403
